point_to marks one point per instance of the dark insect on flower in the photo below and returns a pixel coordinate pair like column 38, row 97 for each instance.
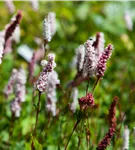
column 86, row 101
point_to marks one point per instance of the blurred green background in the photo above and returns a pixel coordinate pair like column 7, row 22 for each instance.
column 76, row 22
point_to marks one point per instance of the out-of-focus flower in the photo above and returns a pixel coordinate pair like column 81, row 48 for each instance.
column 9, row 87
column 11, row 32
column 16, row 84
column 21, row 77
column 20, row 85
column 10, row 5
column 51, row 107
column 89, row 67
column 10, row 28
column 101, row 65
column 51, row 92
column 20, row 92
column 74, row 96
column 80, row 53
column 52, row 17
column 43, row 78
column 128, row 21
column 35, row 5
column 47, row 30
column 15, row 108
column 49, row 27
column 126, row 138
column 87, row 101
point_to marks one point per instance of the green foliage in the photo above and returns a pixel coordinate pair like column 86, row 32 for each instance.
column 76, row 22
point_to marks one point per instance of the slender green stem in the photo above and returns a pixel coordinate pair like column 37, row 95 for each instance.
column 87, row 87
column 79, row 143
column 75, row 126
column 98, row 78
column 37, row 112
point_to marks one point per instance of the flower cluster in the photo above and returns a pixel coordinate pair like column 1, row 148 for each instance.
column 47, row 82
column 106, row 140
column 43, row 78
column 16, row 85
column 126, row 138
column 86, row 101
column 92, row 57
column 49, row 27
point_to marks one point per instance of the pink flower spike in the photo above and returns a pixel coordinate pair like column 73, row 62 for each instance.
column 101, row 66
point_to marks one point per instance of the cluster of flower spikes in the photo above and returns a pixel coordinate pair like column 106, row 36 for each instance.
column 16, row 85
column 47, row 68
column 96, row 56
column 87, row 101
column 112, row 120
